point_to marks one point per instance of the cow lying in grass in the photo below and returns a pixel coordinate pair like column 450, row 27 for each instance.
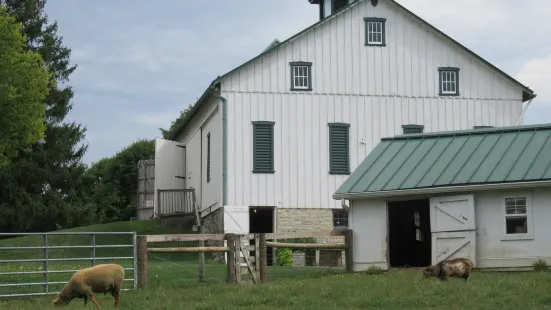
column 457, row 268
column 105, row 278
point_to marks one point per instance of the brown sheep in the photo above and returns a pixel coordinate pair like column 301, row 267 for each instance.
column 105, row 278
column 458, row 267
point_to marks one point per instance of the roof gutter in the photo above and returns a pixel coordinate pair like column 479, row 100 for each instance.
column 443, row 189
column 525, row 108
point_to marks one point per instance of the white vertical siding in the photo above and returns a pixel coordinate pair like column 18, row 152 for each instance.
column 301, row 139
column 368, row 221
column 194, row 137
column 211, row 192
column 374, row 89
column 492, row 251
column 193, row 166
column 168, row 167
column 406, row 66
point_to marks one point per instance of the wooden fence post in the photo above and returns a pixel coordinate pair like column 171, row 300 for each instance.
column 263, row 257
column 230, row 238
column 201, row 255
column 141, row 250
column 349, row 241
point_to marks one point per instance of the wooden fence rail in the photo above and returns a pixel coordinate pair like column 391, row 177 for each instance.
column 239, row 252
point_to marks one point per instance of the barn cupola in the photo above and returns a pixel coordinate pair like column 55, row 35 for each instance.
column 328, row 7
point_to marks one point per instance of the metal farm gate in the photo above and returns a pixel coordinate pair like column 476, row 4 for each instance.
column 146, row 189
column 42, row 263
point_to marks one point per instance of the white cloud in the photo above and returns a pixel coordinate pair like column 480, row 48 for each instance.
column 155, row 119
column 536, row 74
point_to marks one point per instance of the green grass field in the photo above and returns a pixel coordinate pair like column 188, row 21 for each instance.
column 173, row 284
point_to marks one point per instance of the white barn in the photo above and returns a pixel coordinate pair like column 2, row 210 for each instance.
column 268, row 143
column 484, row 194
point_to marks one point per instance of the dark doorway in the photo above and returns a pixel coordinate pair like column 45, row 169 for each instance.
column 409, row 233
column 261, row 220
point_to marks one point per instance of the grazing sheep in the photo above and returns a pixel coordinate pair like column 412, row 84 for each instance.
column 457, row 267
column 105, row 278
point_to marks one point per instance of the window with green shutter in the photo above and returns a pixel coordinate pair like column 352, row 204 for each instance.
column 339, row 162
column 412, row 128
column 338, row 5
column 263, row 147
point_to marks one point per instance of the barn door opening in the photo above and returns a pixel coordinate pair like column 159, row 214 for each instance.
column 453, row 227
column 409, row 233
column 261, row 220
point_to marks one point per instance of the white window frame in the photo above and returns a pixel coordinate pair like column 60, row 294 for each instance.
column 375, row 26
column 529, row 235
column 301, row 72
column 447, row 77
column 296, row 68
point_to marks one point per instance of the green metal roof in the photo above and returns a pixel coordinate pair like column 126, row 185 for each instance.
column 454, row 158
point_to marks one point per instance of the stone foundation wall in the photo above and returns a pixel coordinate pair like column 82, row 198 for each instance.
column 291, row 220
column 300, row 220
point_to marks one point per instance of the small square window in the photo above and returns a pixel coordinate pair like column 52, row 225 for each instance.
column 375, row 31
column 516, row 218
column 340, row 219
column 301, row 76
column 448, row 81
column 517, row 211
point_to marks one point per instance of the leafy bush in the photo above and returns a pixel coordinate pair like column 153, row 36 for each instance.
column 540, row 265
column 284, row 257
column 309, row 254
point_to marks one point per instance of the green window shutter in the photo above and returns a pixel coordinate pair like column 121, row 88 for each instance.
column 412, row 128
column 208, row 157
column 263, row 147
column 338, row 5
column 339, row 162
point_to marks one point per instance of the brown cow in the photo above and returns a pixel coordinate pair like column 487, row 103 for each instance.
column 457, row 268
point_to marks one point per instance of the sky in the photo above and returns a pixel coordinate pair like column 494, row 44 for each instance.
column 139, row 64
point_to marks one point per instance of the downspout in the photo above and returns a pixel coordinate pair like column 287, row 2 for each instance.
column 344, row 206
column 525, row 109
column 224, row 146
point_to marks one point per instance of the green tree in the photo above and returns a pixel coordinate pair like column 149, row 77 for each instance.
column 113, row 182
column 23, row 86
column 175, row 125
column 43, row 189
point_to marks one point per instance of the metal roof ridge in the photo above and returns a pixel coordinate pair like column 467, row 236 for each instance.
column 461, row 132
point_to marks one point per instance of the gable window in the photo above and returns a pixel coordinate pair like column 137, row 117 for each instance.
column 208, row 157
column 338, row 148
column 340, row 219
column 518, row 222
column 263, row 147
column 375, row 31
column 301, row 75
column 449, row 81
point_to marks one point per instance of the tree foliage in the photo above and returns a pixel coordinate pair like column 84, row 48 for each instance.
column 23, row 86
column 113, row 182
column 43, row 189
column 48, row 187
column 175, row 125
